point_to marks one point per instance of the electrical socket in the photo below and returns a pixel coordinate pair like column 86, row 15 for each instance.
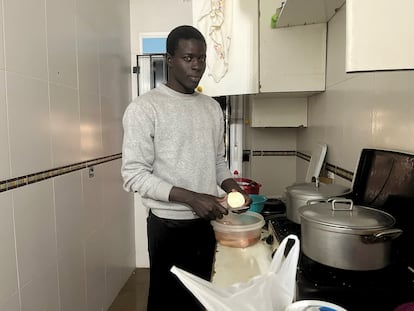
column 331, row 175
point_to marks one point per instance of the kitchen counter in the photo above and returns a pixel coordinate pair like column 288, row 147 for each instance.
column 235, row 265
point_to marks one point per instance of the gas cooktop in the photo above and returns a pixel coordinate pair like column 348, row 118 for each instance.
column 379, row 290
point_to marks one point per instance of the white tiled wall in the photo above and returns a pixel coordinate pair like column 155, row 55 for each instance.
column 273, row 172
column 66, row 243
column 360, row 110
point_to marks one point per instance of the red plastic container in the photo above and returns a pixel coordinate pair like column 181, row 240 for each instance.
column 248, row 185
column 409, row 306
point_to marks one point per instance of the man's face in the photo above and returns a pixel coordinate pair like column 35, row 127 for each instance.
column 187, row 66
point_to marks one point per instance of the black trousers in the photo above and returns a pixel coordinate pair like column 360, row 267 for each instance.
column 187, row 244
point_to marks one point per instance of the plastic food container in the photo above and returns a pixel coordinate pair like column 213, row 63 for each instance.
column 238, row 230
column 313, row 305
column 258, row 202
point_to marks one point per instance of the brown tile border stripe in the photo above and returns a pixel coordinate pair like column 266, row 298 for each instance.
column 348, row 175
column 345, row 174
column 36, row 177
column 273, row 153
column 303, row 156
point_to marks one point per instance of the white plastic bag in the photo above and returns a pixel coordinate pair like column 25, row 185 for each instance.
column 272, row 291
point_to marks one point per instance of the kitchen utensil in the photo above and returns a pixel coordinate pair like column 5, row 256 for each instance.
column 298, row 195
column 316, row 161
column 238, row 230
column 337, row 233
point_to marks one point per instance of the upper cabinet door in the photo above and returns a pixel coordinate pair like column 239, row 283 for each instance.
column 292, row 59
column 231, row 33
column 305, row 12
column 379, row 35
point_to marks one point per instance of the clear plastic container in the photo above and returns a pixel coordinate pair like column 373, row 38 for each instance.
column 238, row 230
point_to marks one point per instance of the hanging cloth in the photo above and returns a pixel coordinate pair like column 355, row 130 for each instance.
column 215, row 22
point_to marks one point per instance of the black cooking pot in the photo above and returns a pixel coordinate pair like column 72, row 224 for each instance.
column 273, row 206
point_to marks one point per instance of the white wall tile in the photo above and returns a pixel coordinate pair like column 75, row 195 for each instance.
column 88, row 45
column 11, row 303
column 119, row 237
column 8, row 268
column 35, row 231
column 65, row 125
column 4, row 139
column 95, row 271
column 41, row 293
column 117, row 207
column 91, row 127
column 69, row 213
column 25, row 37
column 69, row 221
column 61, row 41
column 72, row 282
column 1, row 39
column 112, row 131
column 274, row 173
column 92, row 201
column 28, row 106
column 282, row 139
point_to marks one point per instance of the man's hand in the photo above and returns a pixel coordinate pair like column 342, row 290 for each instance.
column 204, row 205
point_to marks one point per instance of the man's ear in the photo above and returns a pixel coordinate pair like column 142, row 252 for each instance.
column 169, row 59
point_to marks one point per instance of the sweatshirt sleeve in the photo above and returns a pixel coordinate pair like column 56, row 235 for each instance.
column 138, row 154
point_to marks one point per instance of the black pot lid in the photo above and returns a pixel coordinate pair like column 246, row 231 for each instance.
column 342, row 213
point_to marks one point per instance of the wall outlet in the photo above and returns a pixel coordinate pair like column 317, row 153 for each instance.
column 331, row 175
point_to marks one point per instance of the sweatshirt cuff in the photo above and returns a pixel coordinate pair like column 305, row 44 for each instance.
column 163, row 191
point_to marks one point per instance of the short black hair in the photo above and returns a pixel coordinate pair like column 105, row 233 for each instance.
column 185, row 32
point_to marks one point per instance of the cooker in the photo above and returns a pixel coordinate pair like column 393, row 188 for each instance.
column 298, row 195
column 383, row 180
column 339, row 234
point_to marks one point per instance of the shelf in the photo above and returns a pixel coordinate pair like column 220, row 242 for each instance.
column 305, row 12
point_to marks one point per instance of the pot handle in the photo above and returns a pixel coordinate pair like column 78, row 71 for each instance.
column 382, row 236
column 341, row 200
column 313, row 201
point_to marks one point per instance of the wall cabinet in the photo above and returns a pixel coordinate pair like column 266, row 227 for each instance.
column 379, row 35
column 292, row 59
column 269, row 111
column 306, row 12
column 237, row 27
column 261, row 59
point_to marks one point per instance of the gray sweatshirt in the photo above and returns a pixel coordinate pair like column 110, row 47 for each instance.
column 173, row 139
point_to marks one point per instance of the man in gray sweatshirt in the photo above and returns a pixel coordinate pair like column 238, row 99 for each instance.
column 173, row 156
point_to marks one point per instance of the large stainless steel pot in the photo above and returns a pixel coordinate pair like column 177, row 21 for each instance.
column 339, row 234
column 298, row 195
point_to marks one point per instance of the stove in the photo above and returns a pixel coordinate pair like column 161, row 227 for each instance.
column 281, row 227
column 379, row 290
column 383, row 180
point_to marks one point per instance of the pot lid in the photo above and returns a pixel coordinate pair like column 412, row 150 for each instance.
column 342, row 213
column 311, row 190
column 239, row 222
